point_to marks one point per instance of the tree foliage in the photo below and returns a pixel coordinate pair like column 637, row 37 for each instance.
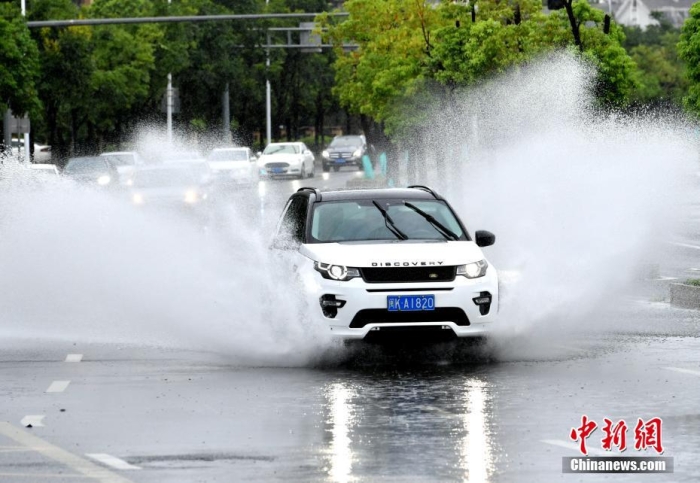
column 405, row 45
column 19, row 63
column 689, row 51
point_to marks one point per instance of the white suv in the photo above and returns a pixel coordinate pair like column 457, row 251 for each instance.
column 287, row 159
column 388, row 260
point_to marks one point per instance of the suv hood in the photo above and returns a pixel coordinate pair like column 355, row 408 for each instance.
column 227, row 165
column 395, row 254
column 278, row 158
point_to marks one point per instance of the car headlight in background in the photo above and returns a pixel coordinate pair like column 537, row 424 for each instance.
column 325, row 154
column 357, row 153
column 473, row 270
column 103, row 180
column 336, row 272
column 137, row 199
column 191, row 196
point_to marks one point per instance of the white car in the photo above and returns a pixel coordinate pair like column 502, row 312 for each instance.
column 235, row 165
column 125, row 163
column 49, row 170
column 285, row 159
column 383, row 260
column 42, row 152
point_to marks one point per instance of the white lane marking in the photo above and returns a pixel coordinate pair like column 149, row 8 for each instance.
column 685, row 245
column 694, row 269
column 112, row 461
column 58, row 386
column 664, row 278
column 570, row 348
column 74, row 357
column 76, row 463
column 41, row 476
column 683, row 371
column 576, row 447
column 13, row 449
column 35, row 420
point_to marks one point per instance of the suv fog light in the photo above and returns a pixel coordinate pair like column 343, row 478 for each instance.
column 484, row 302
column 330, row 305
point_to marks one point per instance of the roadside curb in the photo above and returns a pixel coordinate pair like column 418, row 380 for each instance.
column 685, row 296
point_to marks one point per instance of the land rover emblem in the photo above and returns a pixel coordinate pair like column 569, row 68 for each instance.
column 433, row 275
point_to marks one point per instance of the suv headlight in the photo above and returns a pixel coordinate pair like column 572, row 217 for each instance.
column 473, row 270
column 357, row 153
column 326, row 154
column 336, row 272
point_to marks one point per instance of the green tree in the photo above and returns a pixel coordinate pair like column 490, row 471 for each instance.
column 689, row 51
column 66, row 72
column 19, row 59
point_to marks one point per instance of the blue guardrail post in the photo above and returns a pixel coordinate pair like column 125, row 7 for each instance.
column 367, row 165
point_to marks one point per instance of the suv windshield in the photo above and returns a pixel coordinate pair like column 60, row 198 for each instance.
column 119, row 159
column 346, row 142
column 360, row 220
column 85, row 165
column 281, row 149
column 228, row 155
column 156, row 178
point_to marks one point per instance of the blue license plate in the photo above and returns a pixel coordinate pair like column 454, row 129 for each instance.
column 278, row 170
column 340, row 160
column 410, row 303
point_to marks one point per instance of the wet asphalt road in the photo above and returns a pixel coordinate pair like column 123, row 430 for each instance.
column 449, row 412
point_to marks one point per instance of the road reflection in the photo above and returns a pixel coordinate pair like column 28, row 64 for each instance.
column 416, row 426
column 476, row 451
column 341, row 419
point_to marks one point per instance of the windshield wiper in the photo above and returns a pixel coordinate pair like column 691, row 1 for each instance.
column 442, row 229
column 390, row 223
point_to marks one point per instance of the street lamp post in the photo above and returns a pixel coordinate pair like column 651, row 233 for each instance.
column 268, row 93
column 26, row 134
column 169, row 105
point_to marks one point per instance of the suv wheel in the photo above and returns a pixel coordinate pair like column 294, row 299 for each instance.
column 326, row 168
column 302, row 174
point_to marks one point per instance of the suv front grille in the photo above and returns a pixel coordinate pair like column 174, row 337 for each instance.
column 383, row 316
column 408, row 274
column 277, row 165
column 340, row 155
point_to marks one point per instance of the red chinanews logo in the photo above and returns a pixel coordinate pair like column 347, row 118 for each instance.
column 647, row 434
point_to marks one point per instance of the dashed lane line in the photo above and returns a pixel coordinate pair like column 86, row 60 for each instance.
column 74, row 357
column 685, row 245
column 76, row 463
column 35, row 420
column 32, row 477
column 112, row 461
column 575, row 447
column 683, row 371
column 58, row 386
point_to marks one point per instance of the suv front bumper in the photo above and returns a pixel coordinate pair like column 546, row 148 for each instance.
column 364, row 305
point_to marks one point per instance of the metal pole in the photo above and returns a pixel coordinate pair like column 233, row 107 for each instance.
column 7, row 131
column 226, row 121
column 169, row 109
column 27, row 151
column 268, row 90
column 169, row 102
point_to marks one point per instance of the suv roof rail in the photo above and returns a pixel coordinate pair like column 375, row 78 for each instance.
column 425, row 188
column 314, row 190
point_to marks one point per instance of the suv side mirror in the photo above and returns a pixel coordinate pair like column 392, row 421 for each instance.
column 484, row 238
column 258, row 154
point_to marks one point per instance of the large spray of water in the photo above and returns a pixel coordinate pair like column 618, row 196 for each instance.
column 577, row 200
